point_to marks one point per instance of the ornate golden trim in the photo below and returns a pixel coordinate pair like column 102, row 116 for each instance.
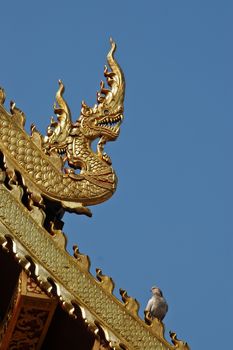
column 62, row 166
column 69, row 278
column 36, row 188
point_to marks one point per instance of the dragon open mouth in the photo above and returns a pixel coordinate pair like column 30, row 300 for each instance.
column 61, row 150
column 111, row 123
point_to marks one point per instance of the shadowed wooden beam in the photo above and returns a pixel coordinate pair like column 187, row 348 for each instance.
column 28, row 316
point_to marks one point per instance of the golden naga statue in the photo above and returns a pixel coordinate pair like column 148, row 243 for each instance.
column 90, row 178
column 36, row 187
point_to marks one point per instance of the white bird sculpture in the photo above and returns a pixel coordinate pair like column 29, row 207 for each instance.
column 157, row 305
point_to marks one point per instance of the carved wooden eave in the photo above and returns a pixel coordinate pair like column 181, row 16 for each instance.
column 59, row 274
column 28, row 316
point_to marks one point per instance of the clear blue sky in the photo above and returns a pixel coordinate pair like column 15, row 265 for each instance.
column 170, row 221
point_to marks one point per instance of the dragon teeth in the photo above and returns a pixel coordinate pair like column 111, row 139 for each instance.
column 112, row 124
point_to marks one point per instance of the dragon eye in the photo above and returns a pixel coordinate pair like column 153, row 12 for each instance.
column 106, row 112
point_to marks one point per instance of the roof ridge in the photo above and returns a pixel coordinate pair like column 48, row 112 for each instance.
column 44, row 256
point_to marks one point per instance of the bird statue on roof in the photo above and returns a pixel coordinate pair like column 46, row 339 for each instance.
column 157, row 305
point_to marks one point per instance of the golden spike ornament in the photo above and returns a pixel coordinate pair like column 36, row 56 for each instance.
column 62, row 168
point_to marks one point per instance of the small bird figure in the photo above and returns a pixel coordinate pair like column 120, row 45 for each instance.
column 157, row 305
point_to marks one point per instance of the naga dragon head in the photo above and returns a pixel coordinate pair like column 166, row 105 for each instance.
column 101, row 121
column 104, row 119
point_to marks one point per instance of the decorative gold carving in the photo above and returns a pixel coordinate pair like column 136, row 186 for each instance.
column 58, row 236
column 32, row 287
column 28, row 330
column 83, row 260
column 156, row 326
column 37, row 214
column 71, row 281
column 131, row 304
column 105, row 281
column 35, row 180
column 41, row 160
column 179, row 344
column 17, row 115
column 2, row 96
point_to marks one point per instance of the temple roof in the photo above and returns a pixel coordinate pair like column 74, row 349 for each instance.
column 44, row 257
column 35, row 190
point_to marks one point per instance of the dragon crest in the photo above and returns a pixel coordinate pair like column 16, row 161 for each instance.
column 62, row 167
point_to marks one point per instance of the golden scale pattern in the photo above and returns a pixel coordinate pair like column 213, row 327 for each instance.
column 29, row 157
column 44, row 255
column 75, row 284
column 41, row 160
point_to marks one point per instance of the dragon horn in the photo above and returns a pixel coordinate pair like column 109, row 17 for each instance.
column 63, row 107
column 60, row 127
column 114, row 97
column 115, row 78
